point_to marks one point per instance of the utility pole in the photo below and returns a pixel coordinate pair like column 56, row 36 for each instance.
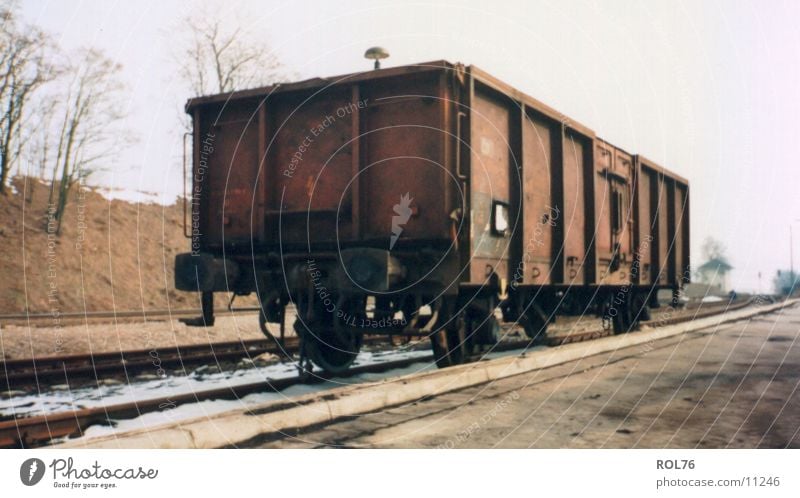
column 792, row 276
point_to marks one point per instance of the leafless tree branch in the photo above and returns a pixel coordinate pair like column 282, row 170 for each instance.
column 24, row 67
column 216, row 59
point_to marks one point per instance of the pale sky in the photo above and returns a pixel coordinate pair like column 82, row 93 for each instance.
column 709, row 89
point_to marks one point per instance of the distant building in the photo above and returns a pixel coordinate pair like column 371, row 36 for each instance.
column 714, row 273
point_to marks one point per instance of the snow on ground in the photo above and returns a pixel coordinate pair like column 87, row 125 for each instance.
column 108, row 395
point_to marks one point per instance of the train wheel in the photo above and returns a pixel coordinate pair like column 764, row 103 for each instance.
column 617, row 313
column 449, row 344
column 450, row 341
column 485, row 330
column 534, row 323
column 624, row 322
column 271, row 311
column 640, row 312
column 331, row 352
column 535, row 328
column 327, row 343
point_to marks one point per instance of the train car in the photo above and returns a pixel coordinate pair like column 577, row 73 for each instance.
column 418, row 200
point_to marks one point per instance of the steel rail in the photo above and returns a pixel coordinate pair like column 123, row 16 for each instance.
column 16, row 317
column 18, row 374
column 38, row 430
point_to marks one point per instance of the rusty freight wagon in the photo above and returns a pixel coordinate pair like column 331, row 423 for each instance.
column 418, row 200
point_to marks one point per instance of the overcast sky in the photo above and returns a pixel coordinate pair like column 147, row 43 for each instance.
column 709, row 89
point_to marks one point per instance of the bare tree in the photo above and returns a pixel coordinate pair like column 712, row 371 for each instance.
column 23, row 69
column 714, row 249
column 214, row 58
column 39, row 141
column 786, row 282
column 85, row 131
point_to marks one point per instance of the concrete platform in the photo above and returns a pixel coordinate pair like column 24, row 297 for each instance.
column 445, row 389
column 733, row 386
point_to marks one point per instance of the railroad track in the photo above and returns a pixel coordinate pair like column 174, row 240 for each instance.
column 81, row 316
column 38, row 430
column 68, row 369
column 22, row 373
column 669, row 316
column 35, row 431
column 28, row 373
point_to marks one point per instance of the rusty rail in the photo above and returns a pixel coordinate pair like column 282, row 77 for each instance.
column 36, row 431
column 677, row 316
column 124, row 314
column 19, row 373
column 16, row 374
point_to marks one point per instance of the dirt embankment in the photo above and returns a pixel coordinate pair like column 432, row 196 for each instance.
column 109, row 254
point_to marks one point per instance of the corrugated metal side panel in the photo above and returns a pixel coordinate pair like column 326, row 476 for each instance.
column 663, row 221
column 686, row 227
column 613, row 214
column 623, row 165
column 225, row 171
column 577, row 208
column 540, row 214
column 599, row 238
column 344, row 159
column 490, row 162
column 682, row 270
column 604, row 192
column 405, row 157
column 308, row 166
column 661, row 197
column 643, row 234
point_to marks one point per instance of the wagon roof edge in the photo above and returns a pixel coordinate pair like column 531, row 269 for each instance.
column 515, row 93
column 317, row 82
column 639, row 158
column 476, row 72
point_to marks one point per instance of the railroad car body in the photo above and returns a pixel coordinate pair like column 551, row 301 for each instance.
column 417, row 200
